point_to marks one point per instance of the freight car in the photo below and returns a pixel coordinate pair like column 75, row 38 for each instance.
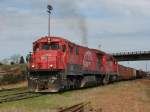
column 141, row 74
column 57, row 64
column 126, row 73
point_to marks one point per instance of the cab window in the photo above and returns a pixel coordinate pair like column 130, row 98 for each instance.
column 63, row 48
column 71, row 49
column 77, row 51
column 54, row 46
column 99, row 59
column 109, row 60
column 45, row 47
column 36, row 48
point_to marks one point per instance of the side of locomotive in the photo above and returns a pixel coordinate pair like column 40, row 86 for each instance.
column 58, row 64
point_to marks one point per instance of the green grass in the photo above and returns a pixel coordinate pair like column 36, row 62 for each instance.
column 48, row 101
column 52, row 101
column 12, row 91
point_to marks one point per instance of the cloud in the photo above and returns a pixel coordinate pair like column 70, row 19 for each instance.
column 71, row 9
column 118, row 25
column 131, row 7
column 121, row 7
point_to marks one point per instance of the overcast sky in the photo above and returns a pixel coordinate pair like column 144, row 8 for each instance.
column 116, row 25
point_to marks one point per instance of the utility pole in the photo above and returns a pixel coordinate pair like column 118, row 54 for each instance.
column 50, row 8
column 146, row 67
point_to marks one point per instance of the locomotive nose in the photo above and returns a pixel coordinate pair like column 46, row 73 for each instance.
column 48, row 62
column 45, row 61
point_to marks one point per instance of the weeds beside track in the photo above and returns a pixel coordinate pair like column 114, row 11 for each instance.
column 10, row 95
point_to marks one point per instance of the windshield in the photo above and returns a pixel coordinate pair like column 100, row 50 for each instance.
column 52, row 46
column 45, row 47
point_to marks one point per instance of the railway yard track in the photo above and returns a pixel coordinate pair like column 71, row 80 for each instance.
column 75, row 108
column 15, row 94
column 11, row 95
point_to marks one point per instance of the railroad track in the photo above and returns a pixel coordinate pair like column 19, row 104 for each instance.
column 75, row 108
column 8, row 92
column 16, row 95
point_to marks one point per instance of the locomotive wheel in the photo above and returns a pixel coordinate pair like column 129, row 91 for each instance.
column 114, row 78
column 37, row 86
column 106, row 80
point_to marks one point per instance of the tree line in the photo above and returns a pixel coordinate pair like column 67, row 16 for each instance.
column 14, row 59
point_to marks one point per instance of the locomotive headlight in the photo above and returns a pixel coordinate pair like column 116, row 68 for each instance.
column 33, row 66
column 51, row 65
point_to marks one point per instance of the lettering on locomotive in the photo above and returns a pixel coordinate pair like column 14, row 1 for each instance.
column 87, row 60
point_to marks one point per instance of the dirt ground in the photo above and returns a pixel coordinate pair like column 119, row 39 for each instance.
column 126, row 96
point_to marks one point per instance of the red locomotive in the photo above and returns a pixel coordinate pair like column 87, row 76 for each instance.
column 58, row 64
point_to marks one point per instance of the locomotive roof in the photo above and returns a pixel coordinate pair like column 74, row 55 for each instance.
column 44, row 38
column 62, row 39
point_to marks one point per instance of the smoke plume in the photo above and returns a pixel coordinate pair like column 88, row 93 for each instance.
column 83, row 28
column 71, row 9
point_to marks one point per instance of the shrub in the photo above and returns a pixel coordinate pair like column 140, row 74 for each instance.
column 11, row 79
column 1, row 63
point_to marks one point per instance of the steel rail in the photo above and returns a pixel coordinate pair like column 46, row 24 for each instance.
column 18, row 96
column 75, row 108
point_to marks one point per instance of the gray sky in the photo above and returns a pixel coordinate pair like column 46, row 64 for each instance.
column 116, row 25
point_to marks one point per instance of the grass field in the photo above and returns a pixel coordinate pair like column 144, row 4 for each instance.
column 10, row 74
column 128, row 96
column 9, row 67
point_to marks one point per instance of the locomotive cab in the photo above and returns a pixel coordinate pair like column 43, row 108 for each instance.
column 48, row 55
column 46, row 63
